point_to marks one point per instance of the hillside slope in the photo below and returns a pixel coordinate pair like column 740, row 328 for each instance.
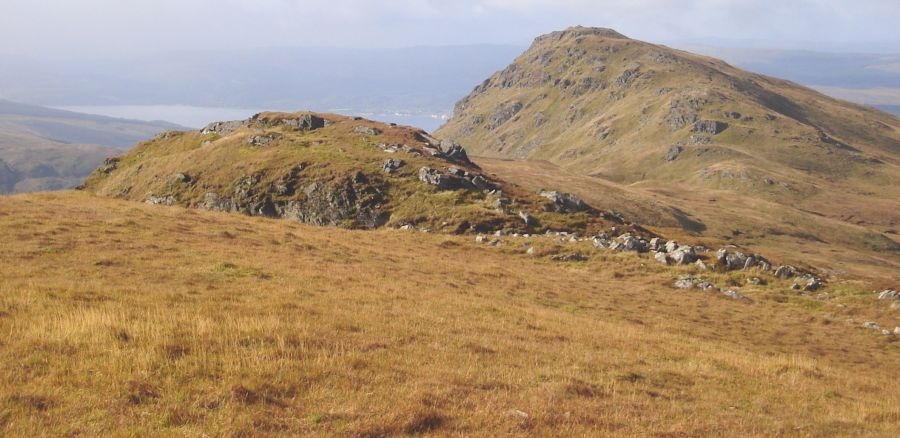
column 745, row 154
column 123, row 318
column 48, row 149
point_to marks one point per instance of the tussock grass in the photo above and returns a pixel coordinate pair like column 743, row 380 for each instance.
column 151, row 320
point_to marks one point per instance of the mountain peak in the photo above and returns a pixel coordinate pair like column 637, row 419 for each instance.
column 581, row 31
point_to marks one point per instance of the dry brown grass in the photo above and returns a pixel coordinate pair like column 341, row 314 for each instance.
column 120, row 318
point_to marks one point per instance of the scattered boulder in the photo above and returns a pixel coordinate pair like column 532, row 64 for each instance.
column 662, row 258
column 785, row 272
column 685, row 282
column 366, row 130
column 632, row 243
column 563, row 202
column 889, row 294
column 807, row 283
column 530, row 221
column 756, row 281
column 481, row 183
column 733, row 294
column 453, row 151
column 161, row 200
column 392, row 165
column 572, row 257
column 684, row 255
column 263, row 140
column 731, row 261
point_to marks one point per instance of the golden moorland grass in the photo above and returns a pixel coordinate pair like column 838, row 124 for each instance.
column 119, row 318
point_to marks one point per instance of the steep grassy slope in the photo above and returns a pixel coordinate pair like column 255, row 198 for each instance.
column 48, row 149
column 734, row 150
column 327, row 169
column 124, row 318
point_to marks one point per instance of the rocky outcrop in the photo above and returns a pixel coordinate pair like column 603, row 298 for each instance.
column 264, row 139
column 673, row 152
column 711, row 127
column 108, row 166
column 503, row 113
column 224, row 128
column 563, row 202
column 301, row 122
column 350, row 201
column 392, row 165
column 443, row 180
column 454, row 178
column 453, row 151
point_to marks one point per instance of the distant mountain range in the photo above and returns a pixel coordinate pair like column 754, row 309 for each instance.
column 48, row 149
column 416, row 81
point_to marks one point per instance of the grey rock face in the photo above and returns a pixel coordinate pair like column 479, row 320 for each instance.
column 563, row 202
column 673, row 153
column 213, row 202
column 711, row 127
column 341, row 202
column 109, row 165
column 306, row 122
column 684, row 110
column 503, row 113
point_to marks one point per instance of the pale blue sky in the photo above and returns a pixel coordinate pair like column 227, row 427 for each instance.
column 76, row 27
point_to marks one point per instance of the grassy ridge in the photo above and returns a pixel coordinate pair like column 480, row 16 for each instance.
column 124, row 318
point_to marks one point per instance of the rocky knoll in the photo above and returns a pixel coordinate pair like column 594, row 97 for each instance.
column 326, row 169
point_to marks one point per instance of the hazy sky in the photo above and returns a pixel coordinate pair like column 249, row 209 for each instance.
column 76, row 27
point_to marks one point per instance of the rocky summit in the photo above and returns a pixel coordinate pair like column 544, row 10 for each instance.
column 738, row 153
